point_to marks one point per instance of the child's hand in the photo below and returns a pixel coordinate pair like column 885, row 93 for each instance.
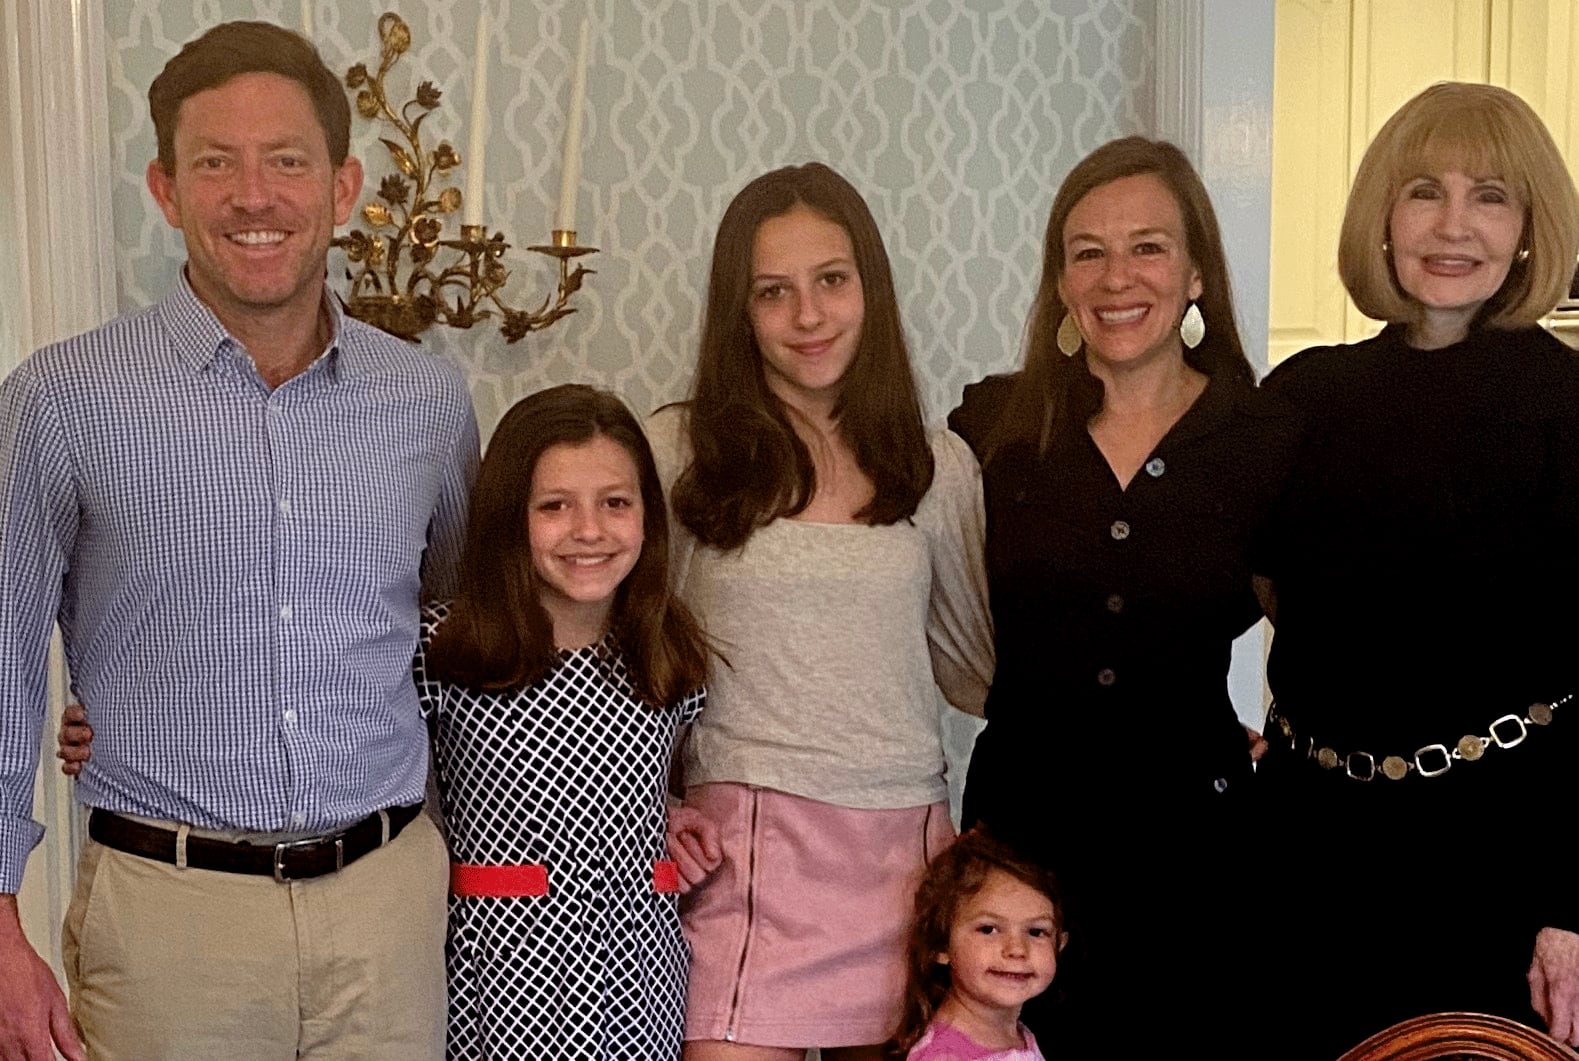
column 694, row 845
column 76, row 740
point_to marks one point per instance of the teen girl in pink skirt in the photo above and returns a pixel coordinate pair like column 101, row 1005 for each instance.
column 831, row 547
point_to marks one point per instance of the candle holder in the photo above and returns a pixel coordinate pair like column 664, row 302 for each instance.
column 406, row 275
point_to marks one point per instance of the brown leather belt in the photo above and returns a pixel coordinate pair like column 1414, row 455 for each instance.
column 313, row 856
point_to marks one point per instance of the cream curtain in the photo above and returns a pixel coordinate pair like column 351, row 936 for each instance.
column 56, row 279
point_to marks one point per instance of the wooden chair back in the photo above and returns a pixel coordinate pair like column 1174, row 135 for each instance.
column 1461, row 1037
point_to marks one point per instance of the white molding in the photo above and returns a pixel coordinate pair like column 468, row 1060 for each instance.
column 16, row 322
column 1180, row 31
column 71, row 53
column 1221, row 57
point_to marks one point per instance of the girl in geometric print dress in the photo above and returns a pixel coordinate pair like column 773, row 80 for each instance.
column 554, row 684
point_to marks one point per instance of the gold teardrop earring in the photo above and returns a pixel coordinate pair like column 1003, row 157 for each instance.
column 1069, row 337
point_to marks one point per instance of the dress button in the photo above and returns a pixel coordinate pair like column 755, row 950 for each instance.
column 1119, row 530
column 1155, row 467
column 1105, row 676
column 290, row 715
column 1115, row 603
column 1220, row 785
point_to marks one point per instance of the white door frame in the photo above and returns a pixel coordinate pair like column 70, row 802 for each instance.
column 1214, row 99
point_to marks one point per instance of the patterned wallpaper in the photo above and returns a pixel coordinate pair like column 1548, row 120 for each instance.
column 956, row 119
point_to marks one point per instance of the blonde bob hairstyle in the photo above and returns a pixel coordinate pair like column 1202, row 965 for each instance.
column 1479, row 130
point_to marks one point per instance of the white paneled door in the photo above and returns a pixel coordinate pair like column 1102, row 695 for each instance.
column 1342, row 68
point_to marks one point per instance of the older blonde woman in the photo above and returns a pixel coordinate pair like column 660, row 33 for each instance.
column 1424, row 581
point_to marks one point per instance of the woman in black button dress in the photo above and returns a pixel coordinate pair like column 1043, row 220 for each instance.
column 1425, row 575
column 1125, row 470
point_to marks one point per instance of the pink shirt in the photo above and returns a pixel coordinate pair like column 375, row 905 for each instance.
column 944, row 1042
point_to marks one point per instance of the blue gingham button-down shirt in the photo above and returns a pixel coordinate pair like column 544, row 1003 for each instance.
column 236, row 571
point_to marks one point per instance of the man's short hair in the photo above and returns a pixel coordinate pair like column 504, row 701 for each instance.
column 233, row 48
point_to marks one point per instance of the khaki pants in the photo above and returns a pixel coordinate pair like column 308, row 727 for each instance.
column 170, row 964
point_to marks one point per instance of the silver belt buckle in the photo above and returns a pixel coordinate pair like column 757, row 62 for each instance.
column 289, row 845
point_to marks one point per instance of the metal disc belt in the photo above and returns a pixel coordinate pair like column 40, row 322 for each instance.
column 1432, row 760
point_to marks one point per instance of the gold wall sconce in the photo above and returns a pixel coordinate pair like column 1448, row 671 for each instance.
column 404, row 273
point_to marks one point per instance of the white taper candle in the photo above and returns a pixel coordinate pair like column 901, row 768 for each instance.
column 570, row 180
column 471, row 202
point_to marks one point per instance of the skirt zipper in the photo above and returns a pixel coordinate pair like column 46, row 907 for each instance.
column 745, row 946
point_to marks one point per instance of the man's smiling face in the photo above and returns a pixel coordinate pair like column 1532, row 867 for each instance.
column 256, row 196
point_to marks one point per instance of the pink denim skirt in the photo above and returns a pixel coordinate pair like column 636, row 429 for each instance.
column 798, row 939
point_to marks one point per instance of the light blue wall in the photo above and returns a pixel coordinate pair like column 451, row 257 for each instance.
column 956, row 120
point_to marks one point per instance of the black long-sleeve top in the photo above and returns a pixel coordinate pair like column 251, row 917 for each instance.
column 1115, row 609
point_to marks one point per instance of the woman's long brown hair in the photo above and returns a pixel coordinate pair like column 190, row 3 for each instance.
column 748, row 466
column 497, row 635
column 1040, row 402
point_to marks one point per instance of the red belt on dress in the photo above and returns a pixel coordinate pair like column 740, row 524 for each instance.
column 513, row 882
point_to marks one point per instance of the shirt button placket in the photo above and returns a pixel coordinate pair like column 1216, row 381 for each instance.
column 279, row 433
column 1119, row 531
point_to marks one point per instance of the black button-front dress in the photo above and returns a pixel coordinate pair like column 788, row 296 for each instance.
column 1426, row 560
column 1112, row 750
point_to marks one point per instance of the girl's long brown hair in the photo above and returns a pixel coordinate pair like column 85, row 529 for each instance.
column 497, row 635
column 953, row 877
column 748, row 466
column 1041, row 400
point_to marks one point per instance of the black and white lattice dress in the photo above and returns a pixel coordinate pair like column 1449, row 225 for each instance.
column 569, row 774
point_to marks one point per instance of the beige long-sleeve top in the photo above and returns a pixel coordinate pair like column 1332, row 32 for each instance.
column 838, row 638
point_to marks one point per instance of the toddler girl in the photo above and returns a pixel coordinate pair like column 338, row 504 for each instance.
column 988, row 928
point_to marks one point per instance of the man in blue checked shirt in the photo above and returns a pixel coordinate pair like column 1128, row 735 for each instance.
column 231, row 502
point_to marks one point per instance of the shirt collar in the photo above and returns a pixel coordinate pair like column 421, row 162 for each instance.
column 198, row 336
column 1209, row 411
